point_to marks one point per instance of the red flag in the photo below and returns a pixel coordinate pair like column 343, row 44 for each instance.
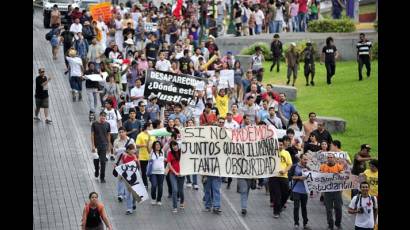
column 177, row 12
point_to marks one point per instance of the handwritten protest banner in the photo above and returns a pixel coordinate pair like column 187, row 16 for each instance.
column 250, row 152
column 101, row 9
column 315, row 159
column 227, row 75
column 133, row 180
column 170, row 87
column 150, row 26
column 330, row 182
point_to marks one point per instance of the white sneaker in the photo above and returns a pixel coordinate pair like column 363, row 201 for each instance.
column 159, row 203
column 196, row 187
column 189, row 185
column 153, row 202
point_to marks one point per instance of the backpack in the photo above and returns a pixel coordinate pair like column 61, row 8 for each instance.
column 244, row 18
column 49, row 35
column 359, row 198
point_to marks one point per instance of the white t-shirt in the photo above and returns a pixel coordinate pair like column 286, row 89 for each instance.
column 164, row 65
column 112, row 118
column 137, row 92
column 158, row 166
column 76, row 28
column 279, row 14
column 75, row 66
column 259, row 17
column 231, row 125
column 179, row 55
column 366, row 219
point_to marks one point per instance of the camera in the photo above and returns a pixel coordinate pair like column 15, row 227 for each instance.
column 360, row 210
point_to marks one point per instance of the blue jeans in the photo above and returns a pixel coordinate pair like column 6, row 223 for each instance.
column 302, row 22
column 121, row 188
column 130, row 200
column 157, row 180
column 243, row 187
column 336, row 13
column 213, row 188
column 295, row 24
column 258, row 29
column 272, row 27
column 76, row 84
column 194, row 179
column 177, row 184
column 277, row 26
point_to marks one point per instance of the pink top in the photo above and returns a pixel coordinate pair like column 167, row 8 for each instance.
column 294, row 9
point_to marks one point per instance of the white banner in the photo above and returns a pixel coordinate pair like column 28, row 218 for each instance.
column 133, row 180
column 330, row 182
column 227, row 75
column 250, row 152
column 318, row 158
column 97, row 77
column 150, row 26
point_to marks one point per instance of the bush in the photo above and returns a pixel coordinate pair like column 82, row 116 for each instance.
column 265, row 50
column 375, row 51
column 331, row 25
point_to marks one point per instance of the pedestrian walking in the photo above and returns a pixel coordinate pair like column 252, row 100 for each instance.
column 309, row 59
column 76, row 73
column 365, row 207
column 329, row 55
column 157, row 174
column 100, row 142
column 41, row 95
column 94, row 214
column 364, row 55
column 177, row 181
column 276, row 49
column 292, row 60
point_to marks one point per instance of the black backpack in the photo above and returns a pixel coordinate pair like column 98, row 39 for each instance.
column 359, row 198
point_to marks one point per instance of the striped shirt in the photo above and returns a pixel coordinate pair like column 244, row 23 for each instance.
column 363, row 47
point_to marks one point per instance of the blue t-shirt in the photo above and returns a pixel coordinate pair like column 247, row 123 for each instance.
column 181, row 117
column 300, row 185
column 263, row 114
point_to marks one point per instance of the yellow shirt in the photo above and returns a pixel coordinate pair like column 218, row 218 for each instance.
column 373, row 179
column 285, row 161
column 143, row 139
column 222, row 105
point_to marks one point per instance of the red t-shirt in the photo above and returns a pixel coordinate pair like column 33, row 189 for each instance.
column 127, row 158
column 302, row 6
column 238, row 118
column 174, row 162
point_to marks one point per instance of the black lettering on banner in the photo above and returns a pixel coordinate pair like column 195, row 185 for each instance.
column 218, row 133
column 209, row 165
column 194, row 159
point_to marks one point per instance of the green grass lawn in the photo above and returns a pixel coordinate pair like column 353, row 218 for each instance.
column 347, row 98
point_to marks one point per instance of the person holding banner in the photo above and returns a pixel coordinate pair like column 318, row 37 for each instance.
column 279, row 185
column 222, row 100
column 177, row 181
column 333, row 200
column 299, row 191
column 207, row 117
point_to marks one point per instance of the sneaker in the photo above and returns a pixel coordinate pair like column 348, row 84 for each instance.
column 181, row 206
column 128, row 212
column 277, row 71
column 37, row 119
column 196, row 187
column 243, row 212
column 287, row 83
column 276, row 216
column 293, row 85
column 112, row 158
column 307, row 84
column 296, row 226
column 207, row 210
column 189, row 185
column 96, row 174
column 73, row 95
column 153, row 202
column 48, row 121
column 119, row 198
column 103, row 181
column 134, row 207
column 159, row 203
column 174, row 210
column 217, row 210
column 312, row 83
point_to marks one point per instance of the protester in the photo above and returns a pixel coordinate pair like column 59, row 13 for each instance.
column 292, row 60
column 276, row 49
column 144, row 143
column 309, row 58
column 158, row 170
column 365, row 207
column 364, row 55
column 41, row 95
column 359, row 162
column 309, row 126
column 177, row 181
column 333, row 200
column 322, row 134
column 76, row 73
column 94, row 214
column 100, row 141
column 329, row 55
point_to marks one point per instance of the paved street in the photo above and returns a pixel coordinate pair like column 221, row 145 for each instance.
column 63, row 173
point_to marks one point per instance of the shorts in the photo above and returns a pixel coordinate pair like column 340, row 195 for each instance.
column 238, row 81
column 42, row 103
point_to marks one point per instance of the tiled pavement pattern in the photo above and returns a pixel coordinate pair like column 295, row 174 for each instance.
column 63, row 174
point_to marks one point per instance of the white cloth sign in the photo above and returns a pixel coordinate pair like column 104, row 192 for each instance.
column 330, row 182
column 318, row 158
column 133, row 180
column 150, row 26
column 97, row 77
column 227, row 75
column 250, row 152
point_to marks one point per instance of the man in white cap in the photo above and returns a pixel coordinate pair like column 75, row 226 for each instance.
column 292, row 60
column 76, row 73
